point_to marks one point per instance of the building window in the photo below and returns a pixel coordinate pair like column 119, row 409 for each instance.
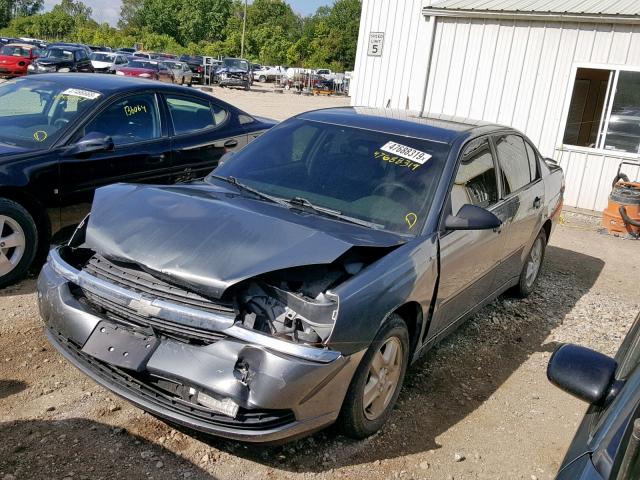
column 604, row 111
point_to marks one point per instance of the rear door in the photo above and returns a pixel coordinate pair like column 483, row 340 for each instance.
column 468, row 259
column 142, row 151
column 202, row 131
column 523, row 197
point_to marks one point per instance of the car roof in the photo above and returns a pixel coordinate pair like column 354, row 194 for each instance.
column 110, row 84
column 21, row 45
column 438, row 128
column 66, row 46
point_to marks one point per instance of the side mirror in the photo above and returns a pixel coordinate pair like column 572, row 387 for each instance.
column 472, row 217
column 225, row 158
column 93, row 142
column 582, row 372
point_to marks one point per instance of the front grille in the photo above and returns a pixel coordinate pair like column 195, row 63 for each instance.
column 139, row 386
column 136, row 280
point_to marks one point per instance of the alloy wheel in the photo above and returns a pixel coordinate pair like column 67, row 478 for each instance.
column 534, row 262
column 12, row 244
column 382, row 380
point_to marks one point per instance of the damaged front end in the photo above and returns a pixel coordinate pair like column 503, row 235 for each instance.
column 253, row 365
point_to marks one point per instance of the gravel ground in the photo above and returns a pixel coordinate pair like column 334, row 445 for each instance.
column 478, row 406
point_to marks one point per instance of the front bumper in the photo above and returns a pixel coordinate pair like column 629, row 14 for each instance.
column 282, row 396
column 233, row 82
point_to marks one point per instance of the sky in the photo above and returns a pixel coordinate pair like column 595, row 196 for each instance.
column 109, row 10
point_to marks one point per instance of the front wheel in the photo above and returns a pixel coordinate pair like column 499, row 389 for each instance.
column 531, row 269
column 18, row 242
column 376, row 384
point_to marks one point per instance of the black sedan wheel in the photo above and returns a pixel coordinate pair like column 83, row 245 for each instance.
column 376, row 384
column 18, row 242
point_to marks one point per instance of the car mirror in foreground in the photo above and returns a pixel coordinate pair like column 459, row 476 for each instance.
column 582, row 372
column 472, row 217
column 91, row 143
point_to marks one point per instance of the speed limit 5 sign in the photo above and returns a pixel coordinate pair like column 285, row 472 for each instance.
column 376, row 41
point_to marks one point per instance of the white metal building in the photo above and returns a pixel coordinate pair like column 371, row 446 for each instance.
column 565, row 72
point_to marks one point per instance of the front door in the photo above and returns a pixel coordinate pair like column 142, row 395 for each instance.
column 468, row 259
column 142, row 151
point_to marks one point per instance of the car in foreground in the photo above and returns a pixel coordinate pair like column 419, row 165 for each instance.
column 182, row 73
column 15, row 58
column 107, row 62
column 292, row 287
column 234, row 72
column 64, row 135
column 61, row 59
column 607, row 443
column 149, row 69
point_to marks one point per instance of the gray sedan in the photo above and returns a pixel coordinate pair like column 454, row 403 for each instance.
column 182, row 74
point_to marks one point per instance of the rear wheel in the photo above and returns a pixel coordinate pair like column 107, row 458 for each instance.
column 376, row 384
column 531, row 269
column 18, row 242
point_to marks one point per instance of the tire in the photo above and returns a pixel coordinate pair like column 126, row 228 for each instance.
column 531, row 268
column 262, row 79
column 182, row 81
column 247, row 87
column 358, row 420
column 18, row 242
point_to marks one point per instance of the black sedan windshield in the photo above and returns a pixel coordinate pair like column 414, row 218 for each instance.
column 385, row 179
column 58, row 54
column 33, row 113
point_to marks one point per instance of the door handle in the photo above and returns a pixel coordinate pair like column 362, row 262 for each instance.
column 155, row 158
column 537, row 202
column 231, row 143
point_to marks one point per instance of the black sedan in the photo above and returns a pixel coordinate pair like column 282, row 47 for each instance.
column 62, row 59
column 64, row 135
column 293, row 286
column 607, row 444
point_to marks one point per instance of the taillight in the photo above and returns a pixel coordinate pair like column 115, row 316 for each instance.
column 200, row 69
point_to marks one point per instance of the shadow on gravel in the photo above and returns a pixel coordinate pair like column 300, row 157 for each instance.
column 83, row 449
column 11, row 387
column 451, row 380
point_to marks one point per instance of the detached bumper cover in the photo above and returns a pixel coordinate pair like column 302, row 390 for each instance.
column 281, row 394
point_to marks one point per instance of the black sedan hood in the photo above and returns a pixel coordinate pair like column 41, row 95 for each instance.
column 210, row 238
column 54, row 61
column 8, row 150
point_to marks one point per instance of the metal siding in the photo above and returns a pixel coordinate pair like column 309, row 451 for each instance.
column 397, row 78
column 601, row 7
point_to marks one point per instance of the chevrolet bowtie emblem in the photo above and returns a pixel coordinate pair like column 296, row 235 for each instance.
column 144, row 307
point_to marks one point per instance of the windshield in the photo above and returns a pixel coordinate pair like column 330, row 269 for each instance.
column 33, row 113
column 385, row 179
column 236, row 63
column 58, row 54
column 14, row 51
column 174, row 65
column 102, row 57
column 142, row 64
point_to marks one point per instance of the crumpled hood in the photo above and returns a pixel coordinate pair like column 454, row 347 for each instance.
column 47, row 62
column 209, row 238
column 233, row 70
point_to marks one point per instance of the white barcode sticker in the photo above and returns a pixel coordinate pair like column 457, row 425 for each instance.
column 406, row 152
column 76, row 92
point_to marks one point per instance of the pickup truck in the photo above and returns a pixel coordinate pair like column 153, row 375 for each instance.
column 292, row 287
column 269, row 74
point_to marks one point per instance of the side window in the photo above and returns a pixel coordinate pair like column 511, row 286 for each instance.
column 476, row 182
column 533, row 162
column 191, row 114
column 514, row 162
column 78, row 55
column 132, row 120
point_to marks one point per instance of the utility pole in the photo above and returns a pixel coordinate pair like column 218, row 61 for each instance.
column 244, row 27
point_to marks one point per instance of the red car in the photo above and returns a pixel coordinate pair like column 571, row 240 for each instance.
column 147, row 69
column 15, row 58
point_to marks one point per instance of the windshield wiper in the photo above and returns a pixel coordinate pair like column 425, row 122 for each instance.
column 303, row 202
column 241, row 186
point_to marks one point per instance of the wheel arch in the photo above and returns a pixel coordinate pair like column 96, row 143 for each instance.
column 547, row 228
column 412, row 314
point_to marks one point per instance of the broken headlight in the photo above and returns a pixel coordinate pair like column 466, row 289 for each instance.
column 289, row 315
